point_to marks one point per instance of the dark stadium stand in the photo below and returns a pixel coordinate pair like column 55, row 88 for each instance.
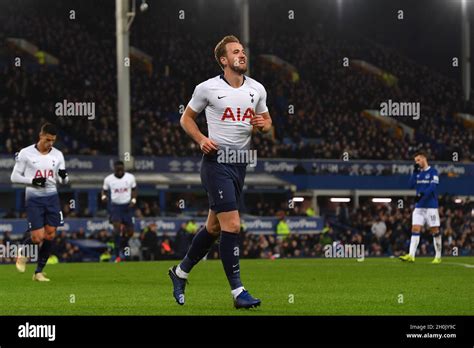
column 328, row 99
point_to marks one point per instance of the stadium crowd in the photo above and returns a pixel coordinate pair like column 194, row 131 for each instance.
column 327, row 98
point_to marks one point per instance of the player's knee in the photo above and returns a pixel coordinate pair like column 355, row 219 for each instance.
column 49, row 236
column 50, row 229
column 49, row 232
column 37, row 236
column 36, row 239
column 213, row 229
column 434, row 230
column 416, row 228
column 233, row 226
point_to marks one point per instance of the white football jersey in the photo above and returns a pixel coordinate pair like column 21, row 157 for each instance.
column 229, row 110
column 30, row 163
column 120, row 188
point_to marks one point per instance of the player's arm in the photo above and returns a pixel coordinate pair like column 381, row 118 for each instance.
column 62, row 172
column 133, row 201
column 103, row 195
column 104, row 192
column 188, row 123
column 197, row 103
column 18, row 173
column 262, row 121
column 431, row 188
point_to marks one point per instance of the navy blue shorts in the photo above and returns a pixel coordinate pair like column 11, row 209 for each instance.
column 223, row 183
column 42, row 211
column 122, row 213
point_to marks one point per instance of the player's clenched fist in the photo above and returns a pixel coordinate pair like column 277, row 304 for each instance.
column 39, row 182
column 258, row 121
column 104, row 198
column 207, row 146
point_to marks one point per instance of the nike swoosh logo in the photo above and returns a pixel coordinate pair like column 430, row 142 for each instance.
column 235, row 265
column 221, row 97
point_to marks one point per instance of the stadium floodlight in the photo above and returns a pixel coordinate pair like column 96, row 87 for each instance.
column 298, row 199
column 340, row 199
column 143, row 6
column 381, row 200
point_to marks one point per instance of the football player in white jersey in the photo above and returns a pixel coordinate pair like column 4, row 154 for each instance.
column 235, row 105
column 122, row 188
column 40, row 167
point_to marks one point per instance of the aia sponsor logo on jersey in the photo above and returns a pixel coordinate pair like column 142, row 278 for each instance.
column 237, row 115
column 121, row 190
column 44, row 173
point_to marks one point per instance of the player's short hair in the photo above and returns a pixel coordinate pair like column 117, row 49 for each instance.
column 118, row 163
column 220, row 49
column 49, row 128
column 420, row 153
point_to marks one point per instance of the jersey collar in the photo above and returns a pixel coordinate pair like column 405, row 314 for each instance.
column 427, row 168
column 36, row 147
column 223, row 78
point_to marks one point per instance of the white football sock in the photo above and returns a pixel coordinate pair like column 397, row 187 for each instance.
column 237, row 292
column 437, row 245
column 415, row 239
column 180, row 273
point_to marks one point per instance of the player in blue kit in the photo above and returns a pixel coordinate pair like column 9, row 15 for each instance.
column 235, row 105
column 425, row 179
column 40, row 167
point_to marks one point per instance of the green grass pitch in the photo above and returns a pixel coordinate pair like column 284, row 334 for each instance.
column 376, row 286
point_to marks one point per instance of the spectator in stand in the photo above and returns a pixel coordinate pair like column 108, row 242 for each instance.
column 326, row 123
column 149, row 242
column 379, row 228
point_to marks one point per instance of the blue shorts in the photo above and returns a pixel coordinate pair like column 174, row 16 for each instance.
column 223, row 183
column 42, row 211
column 122, row 213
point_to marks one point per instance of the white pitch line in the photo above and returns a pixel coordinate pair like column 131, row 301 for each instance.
column 467, row 265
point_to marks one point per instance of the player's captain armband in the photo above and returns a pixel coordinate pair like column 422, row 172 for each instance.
column 435, row 179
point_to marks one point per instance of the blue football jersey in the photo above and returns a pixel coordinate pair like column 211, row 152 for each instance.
column 426, row 182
